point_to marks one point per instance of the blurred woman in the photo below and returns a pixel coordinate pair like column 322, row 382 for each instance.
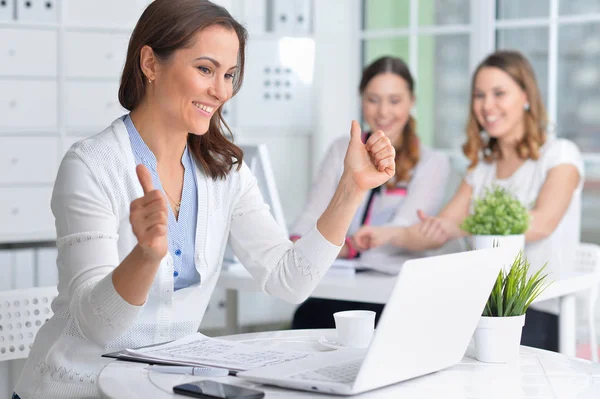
column 507, row 146
column 387, row 89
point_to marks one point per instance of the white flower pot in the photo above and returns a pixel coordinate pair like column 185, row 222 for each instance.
column 497, row 339
column 513, row 243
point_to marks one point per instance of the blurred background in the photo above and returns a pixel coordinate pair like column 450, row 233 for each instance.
column 60, row 63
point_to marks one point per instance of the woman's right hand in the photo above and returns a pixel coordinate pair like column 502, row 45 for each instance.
column 368, row 237
column 148, row 217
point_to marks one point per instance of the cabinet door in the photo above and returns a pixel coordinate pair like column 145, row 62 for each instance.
column 92, row 106
column 45, row 262
column 6, row 10
column 94, row 54
column 28, row 160
column 214, row 317
column 27, row 104
column 28, row 52
column 105, row 13
column 6, row 270
column 25, row 214
column 37, row 10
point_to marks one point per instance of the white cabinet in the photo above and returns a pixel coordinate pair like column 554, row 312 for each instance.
column 28, row 52
column 7, row 10
column 28, row 159
column 25, row 214
column 94, row 55
column 37, row 10
column 28, row 104
column 105, row 13
column 60, row 64
column 91, row 106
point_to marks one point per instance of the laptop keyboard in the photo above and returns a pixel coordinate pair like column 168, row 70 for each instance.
column 343, row 373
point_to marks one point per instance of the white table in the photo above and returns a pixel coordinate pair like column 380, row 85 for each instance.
column 537, row 374
column 376, row 287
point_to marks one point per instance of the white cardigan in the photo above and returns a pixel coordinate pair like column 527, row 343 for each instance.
column 95, row 185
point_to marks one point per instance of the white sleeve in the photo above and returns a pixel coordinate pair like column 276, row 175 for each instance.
column 322, row 189
column 87, row 253
column 562, row 152
column 425, row 191
column 284, row 269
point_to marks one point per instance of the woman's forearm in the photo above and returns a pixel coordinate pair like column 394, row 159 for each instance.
column 134, row 276
column 409, row 238
column 539, row 227
column 335, row 220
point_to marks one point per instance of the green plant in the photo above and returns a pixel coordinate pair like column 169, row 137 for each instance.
column 497, row 212
column 514, row 291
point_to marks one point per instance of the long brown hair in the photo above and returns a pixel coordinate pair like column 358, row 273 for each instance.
column 169, row 25
column 536, row 119
column 407, row 150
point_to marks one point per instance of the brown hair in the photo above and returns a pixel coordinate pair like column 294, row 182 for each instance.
column 169, row 25
column 407, row 150
column 536, row 119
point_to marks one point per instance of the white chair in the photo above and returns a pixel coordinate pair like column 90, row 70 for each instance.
column 587, row 260
column 22, row 313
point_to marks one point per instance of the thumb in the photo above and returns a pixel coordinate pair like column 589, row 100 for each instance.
column 355, row 131
column 422, row 215
column 145, row 178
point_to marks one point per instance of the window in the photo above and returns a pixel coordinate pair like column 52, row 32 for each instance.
column 443, row 40
column 433, row 38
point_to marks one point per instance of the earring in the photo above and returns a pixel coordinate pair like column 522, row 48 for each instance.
column 149, row 80
column 526, row 107
column 485, row 139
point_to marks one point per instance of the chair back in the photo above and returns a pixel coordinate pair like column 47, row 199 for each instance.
column 22, row 313
column 587, row 258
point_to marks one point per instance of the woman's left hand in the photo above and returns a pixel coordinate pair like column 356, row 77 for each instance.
column 371, row 164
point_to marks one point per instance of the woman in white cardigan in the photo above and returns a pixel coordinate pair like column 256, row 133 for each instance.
column 145, row 208
column 387, row 90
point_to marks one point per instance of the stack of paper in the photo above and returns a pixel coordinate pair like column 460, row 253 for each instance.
column 343, row 267
column 200, row 350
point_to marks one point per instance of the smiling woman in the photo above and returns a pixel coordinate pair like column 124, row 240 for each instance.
column 508, row 147
column 190, row 84
column 144, row 210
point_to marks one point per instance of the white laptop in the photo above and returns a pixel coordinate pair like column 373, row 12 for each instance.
column 426, row 326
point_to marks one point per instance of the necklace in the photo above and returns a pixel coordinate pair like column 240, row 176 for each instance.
column 175, row 203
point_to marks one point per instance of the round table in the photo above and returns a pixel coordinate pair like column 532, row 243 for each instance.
column 537, row 374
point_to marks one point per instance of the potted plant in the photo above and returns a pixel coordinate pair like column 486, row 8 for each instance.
column 498, row 219
column 498, row 334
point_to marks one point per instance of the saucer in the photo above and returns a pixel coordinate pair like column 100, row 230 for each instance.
column 330, row 344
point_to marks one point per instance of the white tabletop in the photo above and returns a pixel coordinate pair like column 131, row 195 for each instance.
column 537, row 374
column 376, row 287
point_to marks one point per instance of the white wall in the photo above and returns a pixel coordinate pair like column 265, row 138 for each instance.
column 337, row 72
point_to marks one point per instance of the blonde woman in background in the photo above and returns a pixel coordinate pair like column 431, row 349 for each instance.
column 507, row 145
column 387, row 89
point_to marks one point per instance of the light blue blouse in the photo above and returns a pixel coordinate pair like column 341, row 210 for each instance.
column 181, row 231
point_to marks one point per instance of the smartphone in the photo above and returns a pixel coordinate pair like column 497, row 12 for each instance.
column 216, row 390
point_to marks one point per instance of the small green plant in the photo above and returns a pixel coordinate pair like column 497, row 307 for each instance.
column 497, row 212
column 514, row 291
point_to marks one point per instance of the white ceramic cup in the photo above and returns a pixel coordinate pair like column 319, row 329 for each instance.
column 355, row 327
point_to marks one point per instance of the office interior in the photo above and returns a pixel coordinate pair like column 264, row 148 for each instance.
column 60, row 62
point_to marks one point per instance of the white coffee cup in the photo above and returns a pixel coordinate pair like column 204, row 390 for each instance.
column 355, row 327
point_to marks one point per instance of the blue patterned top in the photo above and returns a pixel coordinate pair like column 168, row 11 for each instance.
column 181, row 231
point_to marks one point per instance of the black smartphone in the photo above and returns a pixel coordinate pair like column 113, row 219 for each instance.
column 216, row 390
